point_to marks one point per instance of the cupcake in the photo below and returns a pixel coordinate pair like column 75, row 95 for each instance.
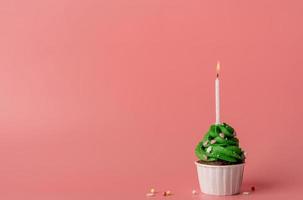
column 221, row 161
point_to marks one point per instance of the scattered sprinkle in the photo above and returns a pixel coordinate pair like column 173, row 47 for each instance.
column 245, row 153
column 213, row 141
column 221, row 135
column 205, row 157
column 194, row 192
column 150, row 194
column 253, row 188
column 205, row 143
column 245, row 193
column 167, row 193
column 152, row 190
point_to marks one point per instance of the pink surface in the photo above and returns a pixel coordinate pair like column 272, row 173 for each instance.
column 105, row 99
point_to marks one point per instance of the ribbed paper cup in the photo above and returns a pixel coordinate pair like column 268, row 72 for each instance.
column 220, row 179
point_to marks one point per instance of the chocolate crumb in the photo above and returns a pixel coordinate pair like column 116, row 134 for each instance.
column 219, row 162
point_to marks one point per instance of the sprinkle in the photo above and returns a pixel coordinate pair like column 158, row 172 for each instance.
column 245, row 193
column 205, row 143
column 167, row 193
column 194, row 192
column 245, row 153
column 213, row 141
column 221, row 135
column 208, row 150
column 253, row 188
column 205, row 157
column 150, row 194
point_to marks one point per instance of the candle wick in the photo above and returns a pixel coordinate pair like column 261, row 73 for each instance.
column 217, row 75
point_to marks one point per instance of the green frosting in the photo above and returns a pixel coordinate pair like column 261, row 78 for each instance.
column 220, row 144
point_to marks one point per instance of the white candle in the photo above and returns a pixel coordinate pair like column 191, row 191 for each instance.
column 217, row 93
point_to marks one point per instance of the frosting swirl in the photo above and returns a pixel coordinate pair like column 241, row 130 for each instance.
column 220, row 144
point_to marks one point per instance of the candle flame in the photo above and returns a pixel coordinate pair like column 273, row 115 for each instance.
column 218, row 68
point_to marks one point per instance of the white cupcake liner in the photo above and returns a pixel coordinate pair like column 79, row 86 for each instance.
column 220, row 180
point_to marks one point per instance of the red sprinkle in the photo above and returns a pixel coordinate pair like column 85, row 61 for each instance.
column 166, row 193
column 253, row 188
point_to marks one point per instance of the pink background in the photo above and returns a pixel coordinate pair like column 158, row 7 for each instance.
column 105, row 99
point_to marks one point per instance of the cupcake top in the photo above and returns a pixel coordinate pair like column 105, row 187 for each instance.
column 220, row 144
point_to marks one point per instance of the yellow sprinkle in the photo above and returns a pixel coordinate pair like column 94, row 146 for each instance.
column 245, row 193
column 150, row 194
